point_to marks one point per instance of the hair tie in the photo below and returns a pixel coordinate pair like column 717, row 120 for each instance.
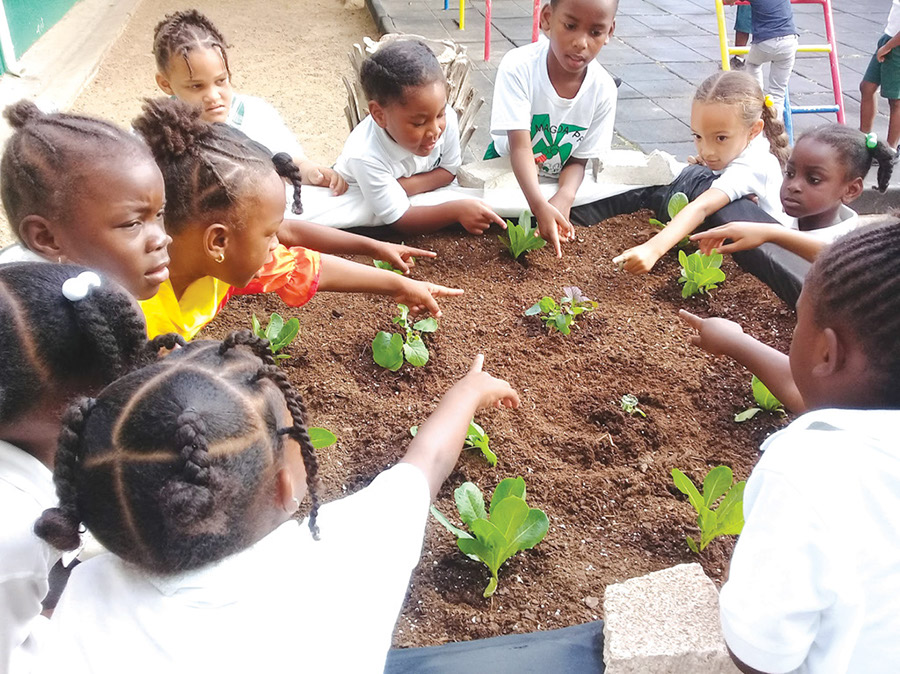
column 768, row 101
column 871, row 141
column 76, row 289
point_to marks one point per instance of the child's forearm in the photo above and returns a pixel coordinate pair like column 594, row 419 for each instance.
column 324, row 239
column 344, row 276
column 426, row 182
column 803, row 244
column 771, row 366
column 426, row 219
column 521, row 158
column 570, row 178
column 688, row 219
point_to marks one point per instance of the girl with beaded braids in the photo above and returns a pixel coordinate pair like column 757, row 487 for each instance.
column 813, row 583
column 64, row 332
column 191, row 472
column 224, row 207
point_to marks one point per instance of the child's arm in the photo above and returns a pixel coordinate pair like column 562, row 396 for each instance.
column 640, row 259
column 551, row 223
column 570, row 179
column 437, row 445
column 722, row 337
column 426, row 182
column 886, row 48
column 344, row 276
column 321, row 176
column 473, row 214
column 747, row 235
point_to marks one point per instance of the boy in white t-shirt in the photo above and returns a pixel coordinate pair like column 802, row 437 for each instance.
column 555, row 106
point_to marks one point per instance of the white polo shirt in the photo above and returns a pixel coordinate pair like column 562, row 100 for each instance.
column 755, row 171
column 845, row 220
column 814, row 582
column 258, row 119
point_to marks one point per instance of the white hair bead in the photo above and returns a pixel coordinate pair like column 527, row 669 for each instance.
column 75, row 289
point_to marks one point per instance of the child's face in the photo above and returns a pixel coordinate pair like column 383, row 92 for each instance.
column 578, row 30
column 816, row 184
column 205, row 83
column 418, row 121
column 720, row 133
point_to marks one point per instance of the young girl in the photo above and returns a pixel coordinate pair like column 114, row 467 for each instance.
column 83, row 190
column 224, row 207
column 191, row 473
column 64, row 331
column 813, row 582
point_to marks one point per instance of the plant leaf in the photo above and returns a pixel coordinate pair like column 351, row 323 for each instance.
column 730, row 513
column 321, row 437
column 426, row 325
column 287, row 334
column 508, row 515
column 692, row 545
column 276, row 322
column 413, row 430
column 387, row 350
column 716, row 483
column 509, row 486
column 474, row 549
column 469, row 502
column 257, row 328
column 530, row 532
column 676, row 203
column 456, row 531
column 685, row 486
column 381, row 264
column 491, row 587
column 763, row 396
column 533, row 310
column 486, row 532
column 747, row 414
column 415, row 351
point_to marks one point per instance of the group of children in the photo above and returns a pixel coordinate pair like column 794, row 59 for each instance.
column 188, row 461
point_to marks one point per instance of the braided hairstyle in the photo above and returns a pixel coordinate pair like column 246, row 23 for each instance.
column 180, row 33
column 739, row 89
column 851, row 150
column 52, row 345
column 210, row 169
column 855, row 284
column 49, row 156
column 173, row 466
column 386, row 74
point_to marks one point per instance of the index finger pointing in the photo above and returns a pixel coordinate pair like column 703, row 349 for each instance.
column 691, row 319
column 477, row 363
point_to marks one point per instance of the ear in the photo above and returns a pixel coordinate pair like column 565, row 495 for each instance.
column 377, row 112
column 284, row 491
column 37, row 235
column 546, row 12
column 831, row 355
column 164, row 84
column 216, row 238
column 757, row 128
column 852, row 190
column 612, row 29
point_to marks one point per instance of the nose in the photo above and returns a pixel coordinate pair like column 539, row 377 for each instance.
column 157, row 237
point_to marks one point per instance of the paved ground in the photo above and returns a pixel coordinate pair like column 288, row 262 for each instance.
column 662, row 49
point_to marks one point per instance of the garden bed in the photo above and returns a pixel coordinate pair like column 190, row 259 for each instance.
column 602, row 477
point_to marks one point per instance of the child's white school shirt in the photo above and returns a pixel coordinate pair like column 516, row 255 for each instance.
column 815, row 577
column 845, row 220
column 373, row 161
column 26, row 490
column 261, row 122
column 288, row 603
column 16, row 252
column 754, row 171
column 893, row 22
column 524, row 99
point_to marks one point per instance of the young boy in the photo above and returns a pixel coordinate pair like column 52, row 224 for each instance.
column 883, row 71
column 554, row 106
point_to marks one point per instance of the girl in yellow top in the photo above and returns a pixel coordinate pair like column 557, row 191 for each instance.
column 224, row 205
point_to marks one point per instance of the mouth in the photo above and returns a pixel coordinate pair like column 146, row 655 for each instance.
column 790, row 204
column 427, row 147
column 575, row 60
column 215, row 110
column 159, row 274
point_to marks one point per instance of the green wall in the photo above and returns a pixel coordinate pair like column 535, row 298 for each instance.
column 29, row 19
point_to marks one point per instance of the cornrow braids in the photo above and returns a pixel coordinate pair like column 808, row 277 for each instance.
column 386, row 74
column 852, row 151
column 48, row 156
column 855, row 284
column 209, row 169
column 180, row 33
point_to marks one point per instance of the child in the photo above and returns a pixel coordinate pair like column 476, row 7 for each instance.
column 554, row 106
column 64, row 331
column 813, row 582
column 883, row 71
column 82, row 190
column 224, row 206
column 743, row 26
column 775, row 43
column 210, row 568
column 409, row 144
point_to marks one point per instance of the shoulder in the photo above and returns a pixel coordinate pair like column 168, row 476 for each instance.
column 523, row 58
column 19, row 253
column 600, row 80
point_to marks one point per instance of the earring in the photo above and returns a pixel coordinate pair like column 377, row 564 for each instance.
column 221, row 258
column 297, row 503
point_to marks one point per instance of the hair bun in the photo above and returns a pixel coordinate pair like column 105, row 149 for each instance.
column 19, row 114
column 171, row 128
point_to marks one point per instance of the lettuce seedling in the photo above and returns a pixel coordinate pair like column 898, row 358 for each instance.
column 511, row 526
column 676, row 204
column 630, row 405
column 560, row 316
column 279, row 333
column 381, row 264
column 476, row 438
column 390, row 349
column 521, row 238
column 764, row 398
column 321, row 437
column 728, row 518
column 699, row 272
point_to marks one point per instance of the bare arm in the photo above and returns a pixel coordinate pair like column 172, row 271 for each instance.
column 321, row 176
column 570, row 179
column 746, row 235
column 473, row 214
column 426, row 182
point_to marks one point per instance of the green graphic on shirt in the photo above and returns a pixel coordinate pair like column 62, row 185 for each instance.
column 556, row 140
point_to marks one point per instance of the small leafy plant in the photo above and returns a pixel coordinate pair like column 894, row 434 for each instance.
column 560, row 316
column 728, row 518
column 521, row 238
column 699, row 272
column 390, row 349
column 279, row 333
column 512, row 526
column 676, row 204
column 476, row 438
column 381, row 264
column 630, row 403
column 764, row 399
column 321, row 437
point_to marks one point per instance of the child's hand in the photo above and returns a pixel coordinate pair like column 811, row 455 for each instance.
column 714, row 335
column 553, row 226
column 322, row 176
column 419, row 296
column 400, row 256
column 489, row 391
column 638, row 260
column 743, row 235
column 476, row 216
column 882, row 53
column 696, row 159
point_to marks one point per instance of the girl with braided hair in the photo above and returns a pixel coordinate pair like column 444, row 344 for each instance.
column 813, row 582
column 191, row 472
column 224, row 208
column 64, row 332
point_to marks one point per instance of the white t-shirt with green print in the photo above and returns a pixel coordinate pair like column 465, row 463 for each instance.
column 258, row 119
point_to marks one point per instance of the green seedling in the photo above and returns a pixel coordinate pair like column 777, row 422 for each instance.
column 699, row 273
column 321, row 437
column 630, row 405
column 279, row 333
column 476, row 438
column 521, row 238
column 560, row 315
column 676, row 204
column 512, row 526
column 390, row 349
column 728, row 518
column 387, row 266
column 764, row 399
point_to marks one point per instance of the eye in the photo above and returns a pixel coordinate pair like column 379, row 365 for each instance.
column 222, row 81
column 196, row 87
column 161, row 214
column 814, row 180
column 569, row 26
column 596, row 33
column 696, row 136
column 721, row 139
column 789, row 173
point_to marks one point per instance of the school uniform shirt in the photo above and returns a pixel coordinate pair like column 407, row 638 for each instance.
column 815, row 577
column 26, row 490
column 16, row 252
column 288, row 603
column 292, row 273
column 771, row 19
column 845, row 220
column 754, row 171
column 373, row 161
column 525, row 100
column 893, row 22
column 261, row 122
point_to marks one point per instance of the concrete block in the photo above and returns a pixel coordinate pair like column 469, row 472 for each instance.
column 666, row 622
column 487, row 174
column 630, row 167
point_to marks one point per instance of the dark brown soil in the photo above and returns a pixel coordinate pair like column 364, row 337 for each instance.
column 602, row 477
